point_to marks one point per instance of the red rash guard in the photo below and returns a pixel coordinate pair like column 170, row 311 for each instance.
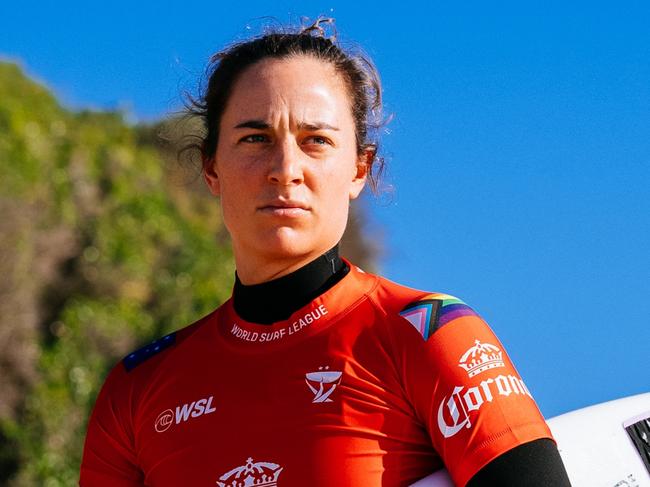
column 371, row 383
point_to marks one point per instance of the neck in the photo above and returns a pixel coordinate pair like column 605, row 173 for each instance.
column 255, row 267
column 277, row 299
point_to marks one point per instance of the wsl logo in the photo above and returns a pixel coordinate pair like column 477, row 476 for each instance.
column 183, row 413
column 164, row 420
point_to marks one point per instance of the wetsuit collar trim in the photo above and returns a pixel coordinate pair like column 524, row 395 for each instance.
column 320, row 313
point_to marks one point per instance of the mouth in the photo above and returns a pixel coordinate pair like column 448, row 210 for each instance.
column 285, row 208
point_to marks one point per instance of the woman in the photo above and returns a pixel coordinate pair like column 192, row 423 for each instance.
column 314, row 372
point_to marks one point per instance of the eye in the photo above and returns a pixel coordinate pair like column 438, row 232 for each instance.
column 317, row 140
column 254, row 139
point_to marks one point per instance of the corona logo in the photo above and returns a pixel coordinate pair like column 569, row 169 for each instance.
column 456, row 413
column 481, row 357
column 258, row 474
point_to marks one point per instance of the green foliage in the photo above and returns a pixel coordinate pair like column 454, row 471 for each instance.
column 105, row 252
column 106, row 243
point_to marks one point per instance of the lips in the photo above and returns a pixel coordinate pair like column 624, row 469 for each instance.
column 288, row 208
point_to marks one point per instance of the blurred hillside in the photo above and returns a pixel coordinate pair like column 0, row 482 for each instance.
column 107, row 241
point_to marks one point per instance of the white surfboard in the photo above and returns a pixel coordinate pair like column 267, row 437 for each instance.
column 595, row 446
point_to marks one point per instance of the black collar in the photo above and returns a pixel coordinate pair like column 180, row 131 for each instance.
column 276, row 300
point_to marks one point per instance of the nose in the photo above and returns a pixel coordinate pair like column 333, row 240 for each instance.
column 286, row 164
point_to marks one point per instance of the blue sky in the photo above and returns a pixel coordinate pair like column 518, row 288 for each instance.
column 519, row 152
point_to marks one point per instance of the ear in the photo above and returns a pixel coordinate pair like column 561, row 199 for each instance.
column 364, row 161
column 210, row 175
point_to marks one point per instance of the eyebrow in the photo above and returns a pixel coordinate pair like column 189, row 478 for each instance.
column 253, row 124
column 262, row 125
column 316, row 126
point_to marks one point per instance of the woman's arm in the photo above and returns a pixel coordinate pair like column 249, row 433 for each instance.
column 533, row 464
column 480, row 415
column 108, row 457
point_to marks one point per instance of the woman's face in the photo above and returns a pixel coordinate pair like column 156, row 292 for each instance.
column 286, row 165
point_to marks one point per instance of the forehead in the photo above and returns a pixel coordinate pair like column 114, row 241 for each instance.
column 300, row 84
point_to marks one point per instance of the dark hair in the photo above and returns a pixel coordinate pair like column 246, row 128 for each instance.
column 357, row 70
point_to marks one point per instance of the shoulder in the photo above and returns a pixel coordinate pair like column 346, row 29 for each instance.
column 141, row 355
column 141, row 365
column 426, row 311
column 151, row 354
column 430, row 313
column 130, row 379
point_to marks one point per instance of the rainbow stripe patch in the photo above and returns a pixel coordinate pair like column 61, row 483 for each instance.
column 423, row 315
column 433, row 311
column 452, row 308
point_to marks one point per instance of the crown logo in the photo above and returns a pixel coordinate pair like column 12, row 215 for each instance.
column 481, row 357
column 258, row 474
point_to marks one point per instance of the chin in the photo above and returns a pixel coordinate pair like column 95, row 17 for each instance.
column 288, row 245
column 287, row 248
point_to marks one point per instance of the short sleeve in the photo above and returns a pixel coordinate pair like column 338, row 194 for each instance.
column 109, row 458
column 464, row 387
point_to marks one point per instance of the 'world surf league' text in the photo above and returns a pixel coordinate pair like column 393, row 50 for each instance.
column 269, row 336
